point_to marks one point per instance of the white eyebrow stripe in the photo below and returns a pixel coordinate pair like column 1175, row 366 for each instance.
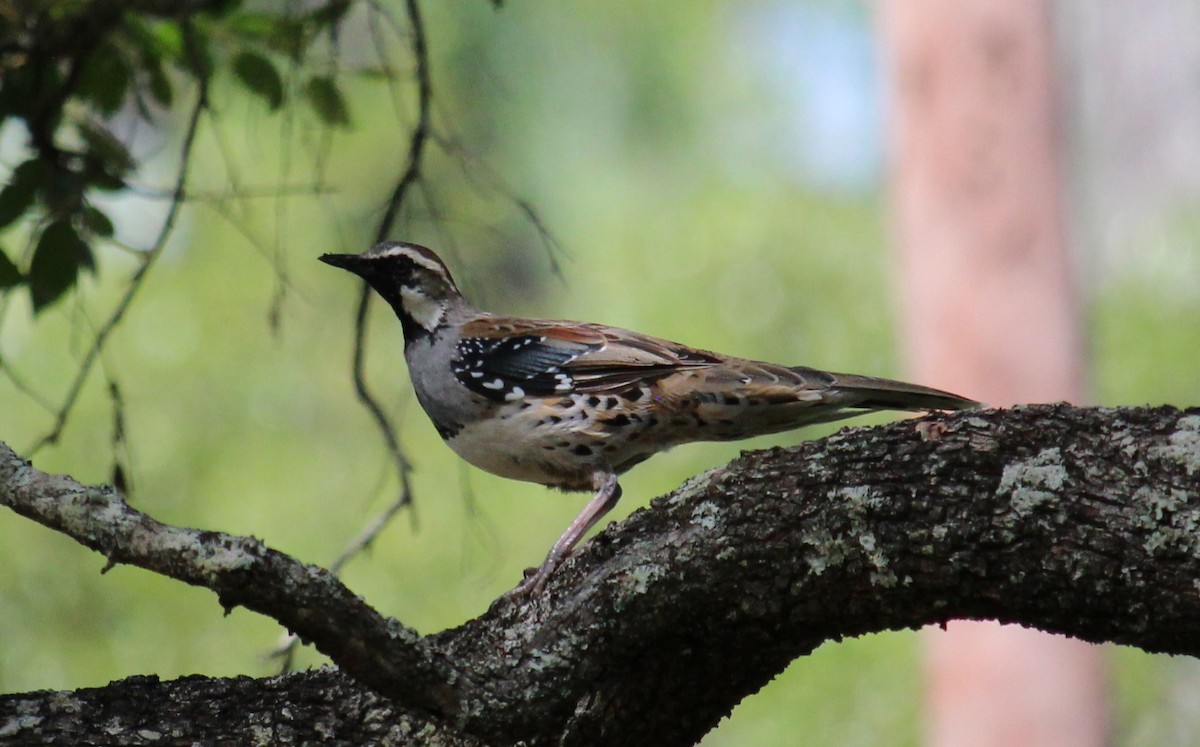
column 417, row 255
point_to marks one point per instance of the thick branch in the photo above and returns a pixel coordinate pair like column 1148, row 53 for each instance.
column 1080, row 521
column 322, row 707
column 309, row 601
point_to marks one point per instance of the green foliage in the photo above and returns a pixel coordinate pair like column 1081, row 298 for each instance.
column 70, row 68
column 19, row 195
column 60, row 255
column 104, row 79
column 260, row 77
column 327, row 101
column 9, row 274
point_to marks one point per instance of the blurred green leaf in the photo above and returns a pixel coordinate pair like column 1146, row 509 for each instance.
column 279, row 33
column 19, row 194
column 106, row 148
column 196, row 57
column 98, row 222
column 330, row 14
column 154, row 51
column 143, row 35
column 156, row 39
column 170, row 39
column 63, row 191
column 57, row 260
column 260, row 76
column 27, row 88
column 253, row 25
column 103, row 180
column 226, row 7
column 10, row 276
column 105, row 79
column 327, row 101
column 159, row 85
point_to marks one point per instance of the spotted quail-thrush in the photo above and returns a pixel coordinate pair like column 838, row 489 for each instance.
column 572, row 405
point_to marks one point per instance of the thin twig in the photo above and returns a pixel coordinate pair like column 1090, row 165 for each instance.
column 24, row 387
column 410, row 177
column 420, row 134
column 122, row 473
column 135, row 282
column 473, row 168
column 549, row 241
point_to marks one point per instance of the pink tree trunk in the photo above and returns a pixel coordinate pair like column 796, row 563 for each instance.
column 990, row 311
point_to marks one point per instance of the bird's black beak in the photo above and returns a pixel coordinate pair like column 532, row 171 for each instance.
column 352, row 262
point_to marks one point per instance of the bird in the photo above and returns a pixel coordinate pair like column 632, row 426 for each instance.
column 573, row 405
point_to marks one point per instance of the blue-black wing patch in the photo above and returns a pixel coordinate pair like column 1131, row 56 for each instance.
column 509, row 368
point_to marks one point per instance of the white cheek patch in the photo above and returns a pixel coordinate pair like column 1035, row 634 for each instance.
column 424, row 310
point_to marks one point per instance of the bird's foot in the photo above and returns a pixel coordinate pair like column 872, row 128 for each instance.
column 532, row 586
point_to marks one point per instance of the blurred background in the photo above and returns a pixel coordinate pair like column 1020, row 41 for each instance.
column 711, row 172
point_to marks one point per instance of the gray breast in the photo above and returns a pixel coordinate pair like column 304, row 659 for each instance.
column 448, row 403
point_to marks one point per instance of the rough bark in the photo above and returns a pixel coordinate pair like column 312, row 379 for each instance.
column 1078, row 521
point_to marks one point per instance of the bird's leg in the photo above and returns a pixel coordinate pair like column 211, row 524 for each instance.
column 608, row 492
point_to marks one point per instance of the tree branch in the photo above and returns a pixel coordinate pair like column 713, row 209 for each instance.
column 242, row 571
column 1078, row 521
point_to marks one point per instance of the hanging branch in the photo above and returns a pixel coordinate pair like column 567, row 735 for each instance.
column 410, row 177
column 137, row 280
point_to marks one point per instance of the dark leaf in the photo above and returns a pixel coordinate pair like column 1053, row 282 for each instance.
column 289, row 38
column 27, row 88
column 257, row 26
column 105, row 79
column 19, row 194
column 10, row 276
column 327, row 101
column 63, row 192
column 96, row 173
column 110, row 152
column 260, row 76
column 57, row 260
column 156, row 39
column 196, row 56
column 102, row 180
column 97, row 222
column 142, row 34
column 159, row 85
column 224, row 7
column 329, row 14
column 157, row 43
column 282, row 34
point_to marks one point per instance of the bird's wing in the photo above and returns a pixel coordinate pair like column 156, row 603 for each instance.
column 506, row 359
